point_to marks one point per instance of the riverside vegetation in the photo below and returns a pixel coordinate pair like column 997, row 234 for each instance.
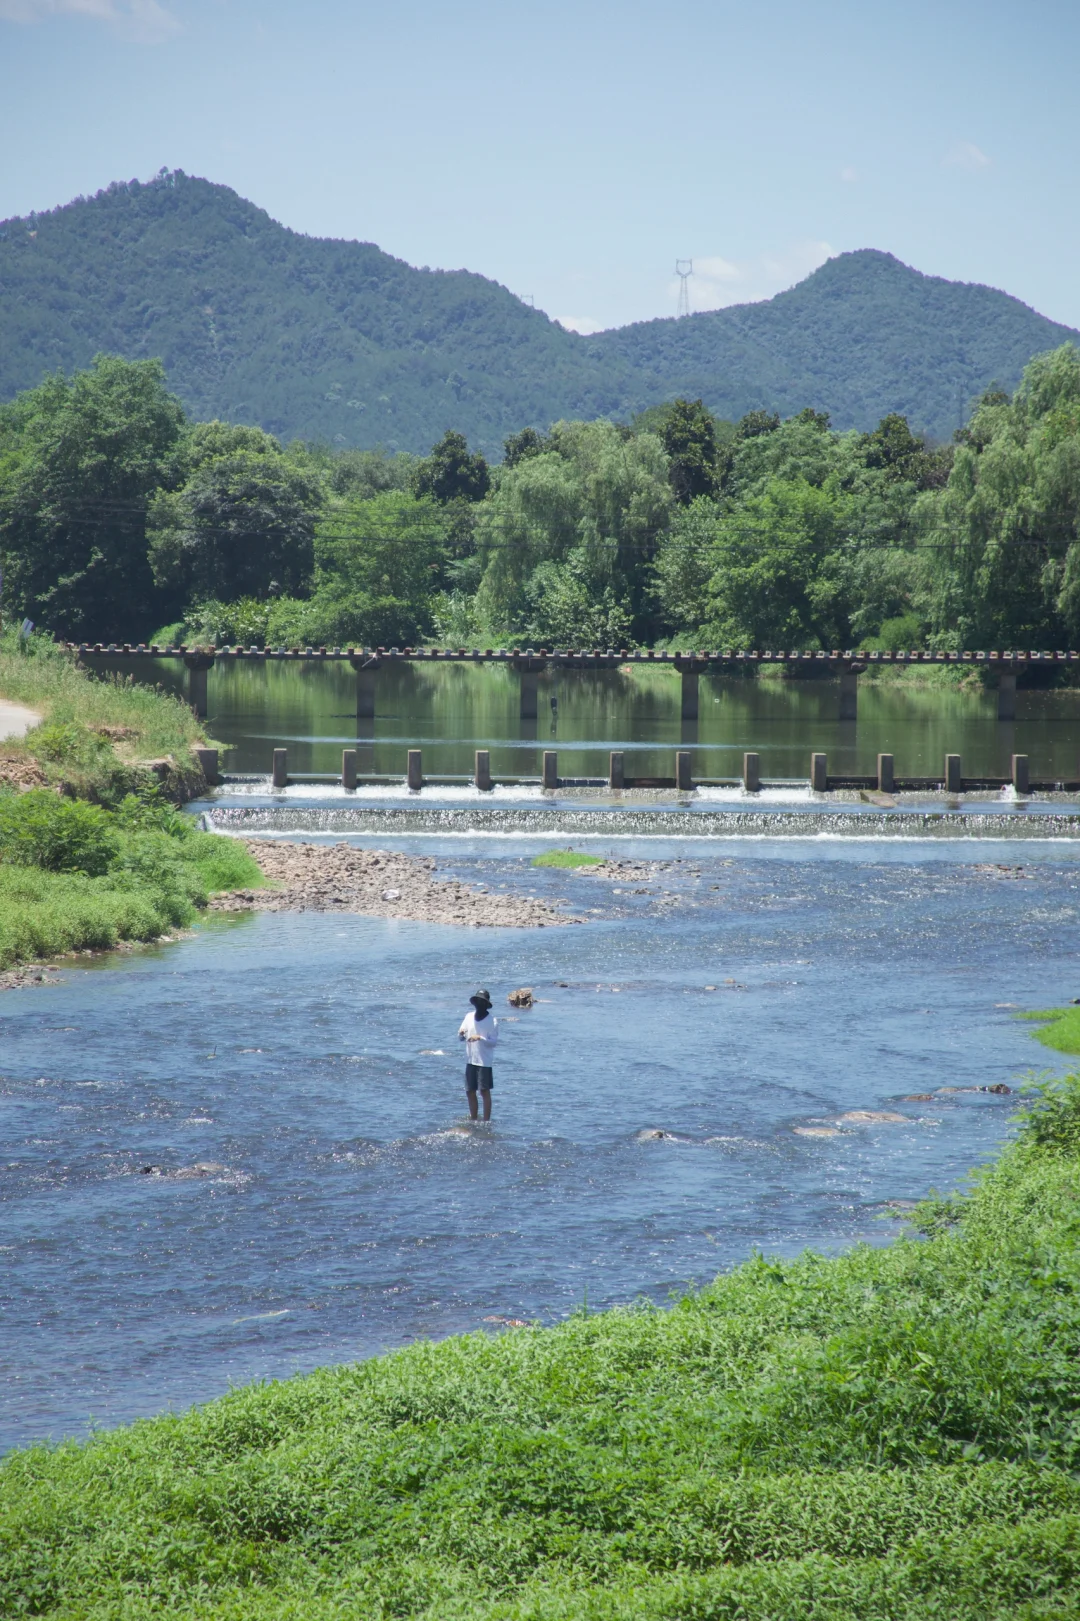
column 890, row 1433
column 97, row 853
column 121, row 519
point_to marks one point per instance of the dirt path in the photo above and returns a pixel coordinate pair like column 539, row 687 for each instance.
column 379, row 883
column 15, row 719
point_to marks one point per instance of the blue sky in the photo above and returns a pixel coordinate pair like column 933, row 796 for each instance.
column 574, row 151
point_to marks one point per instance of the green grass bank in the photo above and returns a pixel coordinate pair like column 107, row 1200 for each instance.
column 76, row 876
column 92, row 850
column 893, row 1433
column 99, row 736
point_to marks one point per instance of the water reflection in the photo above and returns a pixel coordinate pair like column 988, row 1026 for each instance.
column 450, row 711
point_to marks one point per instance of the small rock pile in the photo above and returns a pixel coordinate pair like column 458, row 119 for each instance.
column 378, row 883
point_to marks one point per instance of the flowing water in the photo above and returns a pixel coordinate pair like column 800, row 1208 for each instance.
column 308, row 1064
column 451, row 711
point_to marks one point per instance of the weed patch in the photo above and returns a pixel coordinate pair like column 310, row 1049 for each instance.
column 566, row 858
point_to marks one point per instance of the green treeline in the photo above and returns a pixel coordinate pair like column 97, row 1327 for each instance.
column 890, row 1433
column 120, row 519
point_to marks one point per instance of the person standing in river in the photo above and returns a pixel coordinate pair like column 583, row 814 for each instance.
column 479, row 1031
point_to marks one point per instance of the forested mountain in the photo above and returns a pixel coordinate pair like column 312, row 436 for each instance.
column 339, row 341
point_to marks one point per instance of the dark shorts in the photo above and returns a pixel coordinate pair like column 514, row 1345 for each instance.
column 478, row 1076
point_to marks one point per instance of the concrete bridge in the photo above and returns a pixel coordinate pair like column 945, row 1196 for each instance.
column 530, row 664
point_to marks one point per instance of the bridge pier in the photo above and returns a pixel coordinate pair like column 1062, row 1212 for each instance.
column 367, row 671
column 849, row 693
column 527, row 709
column 1007, row 695
column 690, row 682
column 198, row 666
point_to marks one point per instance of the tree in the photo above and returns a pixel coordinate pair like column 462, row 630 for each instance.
column 520, row 446
column 1001, row 541
column 80, row 459
column 241, row 525
column 688, row 434
column 597, row 492
column 451, row 473
column 781, row 577
column 379, row 566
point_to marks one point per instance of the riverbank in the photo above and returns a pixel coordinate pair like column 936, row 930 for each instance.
column 886, row 1433
column 76, row 877
column 94, row 738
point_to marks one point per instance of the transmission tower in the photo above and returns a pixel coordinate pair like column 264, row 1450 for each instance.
column 684, row 269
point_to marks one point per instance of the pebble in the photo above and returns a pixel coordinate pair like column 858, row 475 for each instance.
column 342, row 878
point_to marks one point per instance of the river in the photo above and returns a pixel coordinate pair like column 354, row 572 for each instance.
column 311, row 1059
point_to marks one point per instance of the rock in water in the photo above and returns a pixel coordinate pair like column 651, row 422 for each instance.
column 523, row 997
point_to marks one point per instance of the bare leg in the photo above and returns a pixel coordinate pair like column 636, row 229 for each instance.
column 472, row 1104
column 487, row 1104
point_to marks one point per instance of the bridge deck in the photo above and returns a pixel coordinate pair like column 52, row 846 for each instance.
column 575, row 659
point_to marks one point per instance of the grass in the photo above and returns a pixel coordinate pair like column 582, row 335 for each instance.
column 1062, row 1031
column 891, row 1433
column 95, row 732
column 76, row 877
column 566, row 858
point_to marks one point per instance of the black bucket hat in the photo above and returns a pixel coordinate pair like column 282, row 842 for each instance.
column 480, row 996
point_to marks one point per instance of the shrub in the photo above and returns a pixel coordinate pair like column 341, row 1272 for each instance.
column 38, row 829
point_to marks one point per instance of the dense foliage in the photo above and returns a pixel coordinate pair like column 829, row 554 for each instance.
column 75, row 876
column 339, row 341
column 891, row 1433
column 119, row 518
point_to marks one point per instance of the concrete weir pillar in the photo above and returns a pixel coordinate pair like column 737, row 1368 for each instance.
column 690, row 682
column 550, row 778
column 953, row 779
column 208, row 764
column 849, row 694
column 751, row 773
column 198, row 667
column 483, row 770
column 1007, row 695
column 819, row 773
column 683, row 780
column 280, row 774
column 414, row 773
column 616, row 770
column 886, row 777
column 348, row 769
column 1021, row 779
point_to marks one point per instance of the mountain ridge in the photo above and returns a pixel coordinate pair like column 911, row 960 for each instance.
column 335, row 339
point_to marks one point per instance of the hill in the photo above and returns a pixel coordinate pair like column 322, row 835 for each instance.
column 339, row 341
column 860, row 337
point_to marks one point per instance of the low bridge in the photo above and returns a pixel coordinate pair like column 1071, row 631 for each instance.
column 529, row 665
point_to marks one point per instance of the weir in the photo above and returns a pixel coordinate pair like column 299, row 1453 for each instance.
column 951, row 782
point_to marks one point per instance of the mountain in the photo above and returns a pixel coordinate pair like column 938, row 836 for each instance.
column 339, row 341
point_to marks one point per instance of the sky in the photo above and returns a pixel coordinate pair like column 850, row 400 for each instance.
column 575, row 151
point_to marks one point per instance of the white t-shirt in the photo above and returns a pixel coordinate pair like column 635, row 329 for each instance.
column 480, row 1037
